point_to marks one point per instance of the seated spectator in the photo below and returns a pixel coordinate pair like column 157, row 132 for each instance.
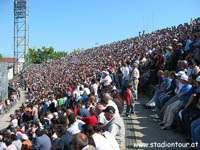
column 157, row 92
column 92, row 119
column 100, row 114
column 115, row 126
column 195, row 130
column 118, row 101
column 41, row 141
column 101, row 129
column 96, row 139
column 169, row 115
column 26, row 143
column 75, row 124
column 80, row 142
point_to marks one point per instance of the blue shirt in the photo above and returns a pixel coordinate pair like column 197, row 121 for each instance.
column 83, row 112
column 167, row 84
column 187, row 45
column 186, row 91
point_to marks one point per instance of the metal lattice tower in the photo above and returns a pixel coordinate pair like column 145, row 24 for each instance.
column 21, row 32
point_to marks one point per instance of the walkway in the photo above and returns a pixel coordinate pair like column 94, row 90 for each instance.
column 143, row 131
column 5, row 119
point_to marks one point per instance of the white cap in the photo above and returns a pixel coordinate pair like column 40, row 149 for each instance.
column 54, row 136
column 184, row 77
column 24, row 137
column 169, row 47
column 175, row 40
column 180, row 44
column 198, row 79
column 106, row 72
column 180, row 73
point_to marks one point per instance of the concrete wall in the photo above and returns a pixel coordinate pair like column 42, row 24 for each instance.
column 3, row 81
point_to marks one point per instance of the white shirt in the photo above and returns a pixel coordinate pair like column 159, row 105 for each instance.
column 101, row 118
column 76, row 94
column 75, row 127
column 114, row 129
column 135, row 74
column 55, row 102
column 3, row 146
column 125, row 71
column 87, row 91
column 100, row 142
column 13, row 123
column 95, row 89
column 106, row 81
column 111, row 139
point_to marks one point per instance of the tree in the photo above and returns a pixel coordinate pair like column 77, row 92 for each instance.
column 76, row 50
column 1, row 57
column 41, row 55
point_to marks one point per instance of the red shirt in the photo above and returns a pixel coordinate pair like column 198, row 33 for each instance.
column 75, row 110
column 70, row 90
column 127, row 97
column 91, row 120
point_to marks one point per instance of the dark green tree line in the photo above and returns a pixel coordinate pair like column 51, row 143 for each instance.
column 38, row 55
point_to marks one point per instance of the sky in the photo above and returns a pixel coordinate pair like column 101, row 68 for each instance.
column 69, row 24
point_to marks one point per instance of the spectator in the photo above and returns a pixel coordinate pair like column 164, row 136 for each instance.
column 115, row 126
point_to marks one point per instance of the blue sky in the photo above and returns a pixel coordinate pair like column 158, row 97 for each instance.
column 69, row 24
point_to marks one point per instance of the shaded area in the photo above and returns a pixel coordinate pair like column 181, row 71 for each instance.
column 141, row 129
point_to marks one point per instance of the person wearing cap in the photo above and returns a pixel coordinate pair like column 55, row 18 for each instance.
column 135, row 75
column 192, row 108
column 115, row 126
column 26, row 143
column 171, row 109
column 179, row 83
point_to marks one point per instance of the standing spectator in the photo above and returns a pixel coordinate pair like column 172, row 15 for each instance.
column 135, row 78
column 125, row 77
column 130, row 97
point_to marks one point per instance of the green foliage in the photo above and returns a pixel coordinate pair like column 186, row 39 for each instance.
column 76, row 50
column 38, row 55
column 1, row 57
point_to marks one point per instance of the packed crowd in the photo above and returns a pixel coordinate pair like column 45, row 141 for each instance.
column 76, row 102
